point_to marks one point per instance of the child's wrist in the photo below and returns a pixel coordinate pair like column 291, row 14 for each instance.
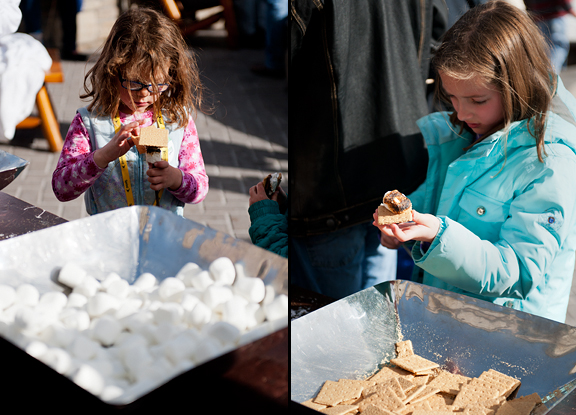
column 178, row 179
column 100, row 159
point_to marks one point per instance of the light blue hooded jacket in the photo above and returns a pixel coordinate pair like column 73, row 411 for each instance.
column 508, row 221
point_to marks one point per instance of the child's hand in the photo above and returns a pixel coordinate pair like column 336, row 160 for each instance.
column 257, row 193
column 119, row 145
column 162, row 175
column 423, row 228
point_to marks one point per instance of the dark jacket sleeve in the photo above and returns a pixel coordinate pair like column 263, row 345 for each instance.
column 269, row 227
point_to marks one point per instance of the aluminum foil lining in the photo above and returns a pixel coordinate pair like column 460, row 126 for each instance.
column 129, row 242
column 10, row 167
column 355, row 336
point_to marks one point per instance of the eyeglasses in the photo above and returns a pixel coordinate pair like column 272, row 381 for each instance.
column 137, row 86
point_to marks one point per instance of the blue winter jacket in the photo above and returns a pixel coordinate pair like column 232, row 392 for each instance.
column 508, row 221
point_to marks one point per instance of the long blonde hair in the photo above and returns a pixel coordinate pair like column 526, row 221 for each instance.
column 145, row 43
column 501, row 44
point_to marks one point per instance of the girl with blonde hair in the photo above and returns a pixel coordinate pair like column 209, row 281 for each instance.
column 496, row 216
column 145, row 76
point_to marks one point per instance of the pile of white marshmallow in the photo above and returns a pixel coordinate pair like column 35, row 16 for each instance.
column 120, row 341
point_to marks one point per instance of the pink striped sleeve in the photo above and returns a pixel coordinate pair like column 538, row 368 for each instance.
column 195, row 180
column 76, row 170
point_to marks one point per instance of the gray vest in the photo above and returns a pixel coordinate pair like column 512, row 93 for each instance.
column 107, row 192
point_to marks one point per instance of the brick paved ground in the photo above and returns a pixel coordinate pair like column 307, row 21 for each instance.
column 242, row 141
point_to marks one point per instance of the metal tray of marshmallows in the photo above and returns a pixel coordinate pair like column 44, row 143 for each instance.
column 355, row 336
column 131, row 241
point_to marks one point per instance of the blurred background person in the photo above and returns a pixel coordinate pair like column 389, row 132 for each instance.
column 358, row 75
column 550, row 16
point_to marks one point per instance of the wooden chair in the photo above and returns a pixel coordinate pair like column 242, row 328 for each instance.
column 46, row 117
column 173, row 11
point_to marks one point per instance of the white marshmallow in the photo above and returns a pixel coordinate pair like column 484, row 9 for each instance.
column 103, row 365
column 27, row 294
column 110, row 278
column 222, row 270
column 252, row 289
column 170, row 313
column 189, row 301
column 52, row 302
column 76, row 300
column 71, row 275
column 136, row 357
column 58, row 359
column 137, row 321
column 234, row 312
column 240, row 271
column 129, row 342
column 254, row 315
column 119, row 289
column 7, row 296
column 102, row 303
column 163, row 332
column 216, row 295
column 188, row 271
column 159, row 370
column 270, row 295
column 128, row 306
column 205, row 349
column 226, row 333
column 111, row 392
column 146, row 281
column 170, row 287
column 84, row 348
column 59, row 335
column 27, row 319
column 75, row 319
column 277, row 309
column 106, row 330
column 180, row 347
column 88, row 287
column 201, row 281
column 36, row 348
column 199, row 315
column 90, row 379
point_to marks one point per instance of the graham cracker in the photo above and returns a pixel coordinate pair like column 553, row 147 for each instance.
column 414, row 363
column 410, row 408
column 509, row 384
column 332, row 393
column 404, row 349
column 425, row 394
column 310, row 404
column 450, row 383
column 339, row 409
column 385, row 399
column 388, row 372
column 476, row 390
column 507, row 409
column 391, row 383
column 153, row 136
column 376, row 410
column 385, row 217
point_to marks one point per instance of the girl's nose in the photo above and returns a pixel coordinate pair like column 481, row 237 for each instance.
column 463, row 113
column 143, row 92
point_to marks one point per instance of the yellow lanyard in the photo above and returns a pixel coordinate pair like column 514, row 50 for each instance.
column 124, row 165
